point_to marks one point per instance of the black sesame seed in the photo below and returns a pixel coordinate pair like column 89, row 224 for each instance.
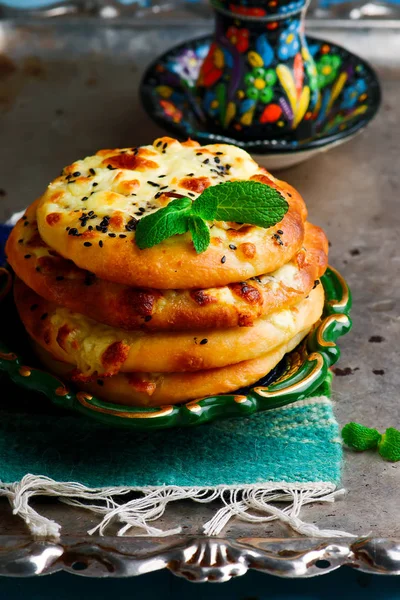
column 232, row 246
column 131, row 224
column 164, row 187
column 27, row 255
column 205, row 162
column 90, row 228
column 189, row 175
column 76, row 174
column 84, row 198
column 153, row 184
column 111, row 167
column 156, row 196
column 217, row 160
column 112, row 235
column 101, row 243
column 161, row 176
column 87, row 244
column 316, row 283
column 95, row 183
column 26, row 223
column 148, row 318
column 219, row 153
column 191, row 194
column 92, row 171
column 199, row 153
column 24, row 217
column 20, row 241
column 227, row 167
column 90, row 213
column 44, row 316
column 204, row 341
column 71, row 181
column 165, row 145
column 223, row 259
column 73, row 231
column 34, row 306
column 142, row 210
column 122, row 235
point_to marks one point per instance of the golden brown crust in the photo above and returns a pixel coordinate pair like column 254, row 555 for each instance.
column 92, row 226
column 97, row 349
column 239, row 304
column 155, row 389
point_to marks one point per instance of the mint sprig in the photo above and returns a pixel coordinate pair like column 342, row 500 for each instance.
column 363, row 438
column 249, row 202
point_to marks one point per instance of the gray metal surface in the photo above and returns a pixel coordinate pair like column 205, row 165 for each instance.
column 67, row 90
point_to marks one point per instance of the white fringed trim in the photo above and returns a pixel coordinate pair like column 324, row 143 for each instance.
column 255, row 503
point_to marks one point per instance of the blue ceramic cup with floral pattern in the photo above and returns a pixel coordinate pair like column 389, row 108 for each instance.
column 259, row 80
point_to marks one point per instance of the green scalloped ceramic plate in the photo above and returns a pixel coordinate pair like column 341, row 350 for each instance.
column 298, row 375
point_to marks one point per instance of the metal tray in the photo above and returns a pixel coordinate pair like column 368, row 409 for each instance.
column 70, row 88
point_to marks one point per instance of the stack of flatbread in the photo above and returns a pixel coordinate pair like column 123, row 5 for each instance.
column 164, row 324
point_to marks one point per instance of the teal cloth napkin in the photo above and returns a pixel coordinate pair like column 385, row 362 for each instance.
column 291, row 455
column 298, row 443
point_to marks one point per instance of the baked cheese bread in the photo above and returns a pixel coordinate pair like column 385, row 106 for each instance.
column 158, row 389
column 60, row 281
column 89, row 214
column 99, row 350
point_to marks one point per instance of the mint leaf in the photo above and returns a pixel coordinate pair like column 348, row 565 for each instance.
column 360, row 437
column 166, row 222
column 200, row 233
column 249, row 202
column 389, row 446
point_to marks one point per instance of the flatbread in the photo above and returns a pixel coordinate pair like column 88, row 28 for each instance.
column 60, row 281
column 158, row 389
column 89, row 212
column 97, row 349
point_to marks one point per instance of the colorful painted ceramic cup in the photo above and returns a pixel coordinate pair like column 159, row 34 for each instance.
column 259, row 78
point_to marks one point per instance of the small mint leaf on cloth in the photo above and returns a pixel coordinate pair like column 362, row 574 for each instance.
column 360, row 437
column 200, row 233
column 164, row 223
column 248, row 202
column 389, row 445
